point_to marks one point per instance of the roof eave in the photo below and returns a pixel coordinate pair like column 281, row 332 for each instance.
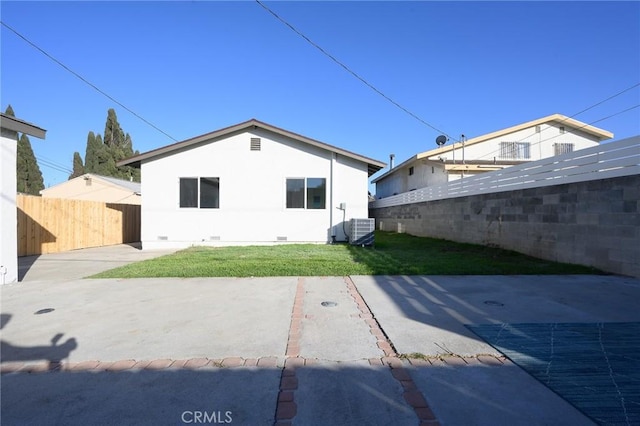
column 373, row 165
column 17, row 125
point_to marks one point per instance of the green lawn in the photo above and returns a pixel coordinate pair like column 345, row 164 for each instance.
column 393, row 254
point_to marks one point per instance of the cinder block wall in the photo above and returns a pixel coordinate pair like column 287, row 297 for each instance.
column 594, row 223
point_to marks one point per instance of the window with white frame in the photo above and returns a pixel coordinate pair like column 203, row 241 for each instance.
column 515, row 150
column 201, row 192
column 306, row 193
column 563, row 148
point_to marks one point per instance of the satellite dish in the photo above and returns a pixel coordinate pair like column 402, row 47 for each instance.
column 441, row 140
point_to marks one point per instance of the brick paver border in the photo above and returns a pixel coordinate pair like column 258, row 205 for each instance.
column 286, row 407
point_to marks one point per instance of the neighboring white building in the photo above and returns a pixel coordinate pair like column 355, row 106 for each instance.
column 252, row 183
column 92, row 187
column 9, row 128
column 534, row 140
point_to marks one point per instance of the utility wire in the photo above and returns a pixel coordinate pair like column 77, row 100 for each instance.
column 55, row 163
column 53, row 166
column 349, row 70
column 574, row 115
column 577, row 128
column 102, row 92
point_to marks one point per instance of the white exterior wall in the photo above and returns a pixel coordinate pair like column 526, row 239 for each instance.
column 542, row 145
column 8, row 211
column 425, row 173
column 252, row 193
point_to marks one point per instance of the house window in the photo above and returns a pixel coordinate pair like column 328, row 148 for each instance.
column 316, row 190
column 255, row 144
column 515, row 150
column 410, row 171
column 295, row 193
column 209, row 193
column 309, row 193
column 203, row 192
column 563, row 148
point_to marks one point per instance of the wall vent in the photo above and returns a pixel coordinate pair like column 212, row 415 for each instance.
column 214, row 238
column 162, row 238
column 255, row 144
column 281, row 238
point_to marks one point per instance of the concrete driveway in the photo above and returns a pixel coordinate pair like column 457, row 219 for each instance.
column 82, row 263
column 286, row 350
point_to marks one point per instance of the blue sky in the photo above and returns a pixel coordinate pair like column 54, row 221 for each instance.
column 193, row 67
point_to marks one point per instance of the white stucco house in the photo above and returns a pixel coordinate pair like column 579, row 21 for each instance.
column 251, row 183
column 93, row 187
column 545, row 137
column 9, row 128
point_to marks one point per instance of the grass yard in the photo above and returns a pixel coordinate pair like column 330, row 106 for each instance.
column 393, row 254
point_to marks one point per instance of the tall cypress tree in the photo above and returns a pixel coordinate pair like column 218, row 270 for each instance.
column 29, row 176
column 91, row 154
column 78, row 167
column 102, row 155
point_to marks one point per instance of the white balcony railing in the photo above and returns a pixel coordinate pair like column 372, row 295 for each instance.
column 621, row 158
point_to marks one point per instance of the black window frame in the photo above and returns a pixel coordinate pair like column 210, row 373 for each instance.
column 194, row 194
column 311, row 196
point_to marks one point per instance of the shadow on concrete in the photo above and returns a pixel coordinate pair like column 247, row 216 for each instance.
column 53, row 353
column 24, row 265
column 339, row 395
column 136, row 245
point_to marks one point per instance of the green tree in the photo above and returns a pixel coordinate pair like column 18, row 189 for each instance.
column 78, row 167
column 113, row 134
column 29, row 176
column 91, row 154
column 102, row 155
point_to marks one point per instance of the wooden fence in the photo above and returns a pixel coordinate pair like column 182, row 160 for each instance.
column 52, row 225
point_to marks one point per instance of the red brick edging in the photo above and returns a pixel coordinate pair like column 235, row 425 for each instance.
column 286, row 408
column 411, row 394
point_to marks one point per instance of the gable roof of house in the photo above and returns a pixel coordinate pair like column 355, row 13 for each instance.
column 373, row 165
column 126, row 185
column 17, row 125
column 554, row 118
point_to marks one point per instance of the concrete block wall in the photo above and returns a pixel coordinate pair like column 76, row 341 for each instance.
column 594, row 223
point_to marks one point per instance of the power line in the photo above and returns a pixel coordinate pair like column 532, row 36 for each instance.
column 53, row 166
column 349, row 70
column 574, row 115
column 55, row 163
column 573, row 132
column 93, row 86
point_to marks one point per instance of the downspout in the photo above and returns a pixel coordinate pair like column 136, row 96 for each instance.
column 331, row 230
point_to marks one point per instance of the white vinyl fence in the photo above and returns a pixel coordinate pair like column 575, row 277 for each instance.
column 621, row 158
